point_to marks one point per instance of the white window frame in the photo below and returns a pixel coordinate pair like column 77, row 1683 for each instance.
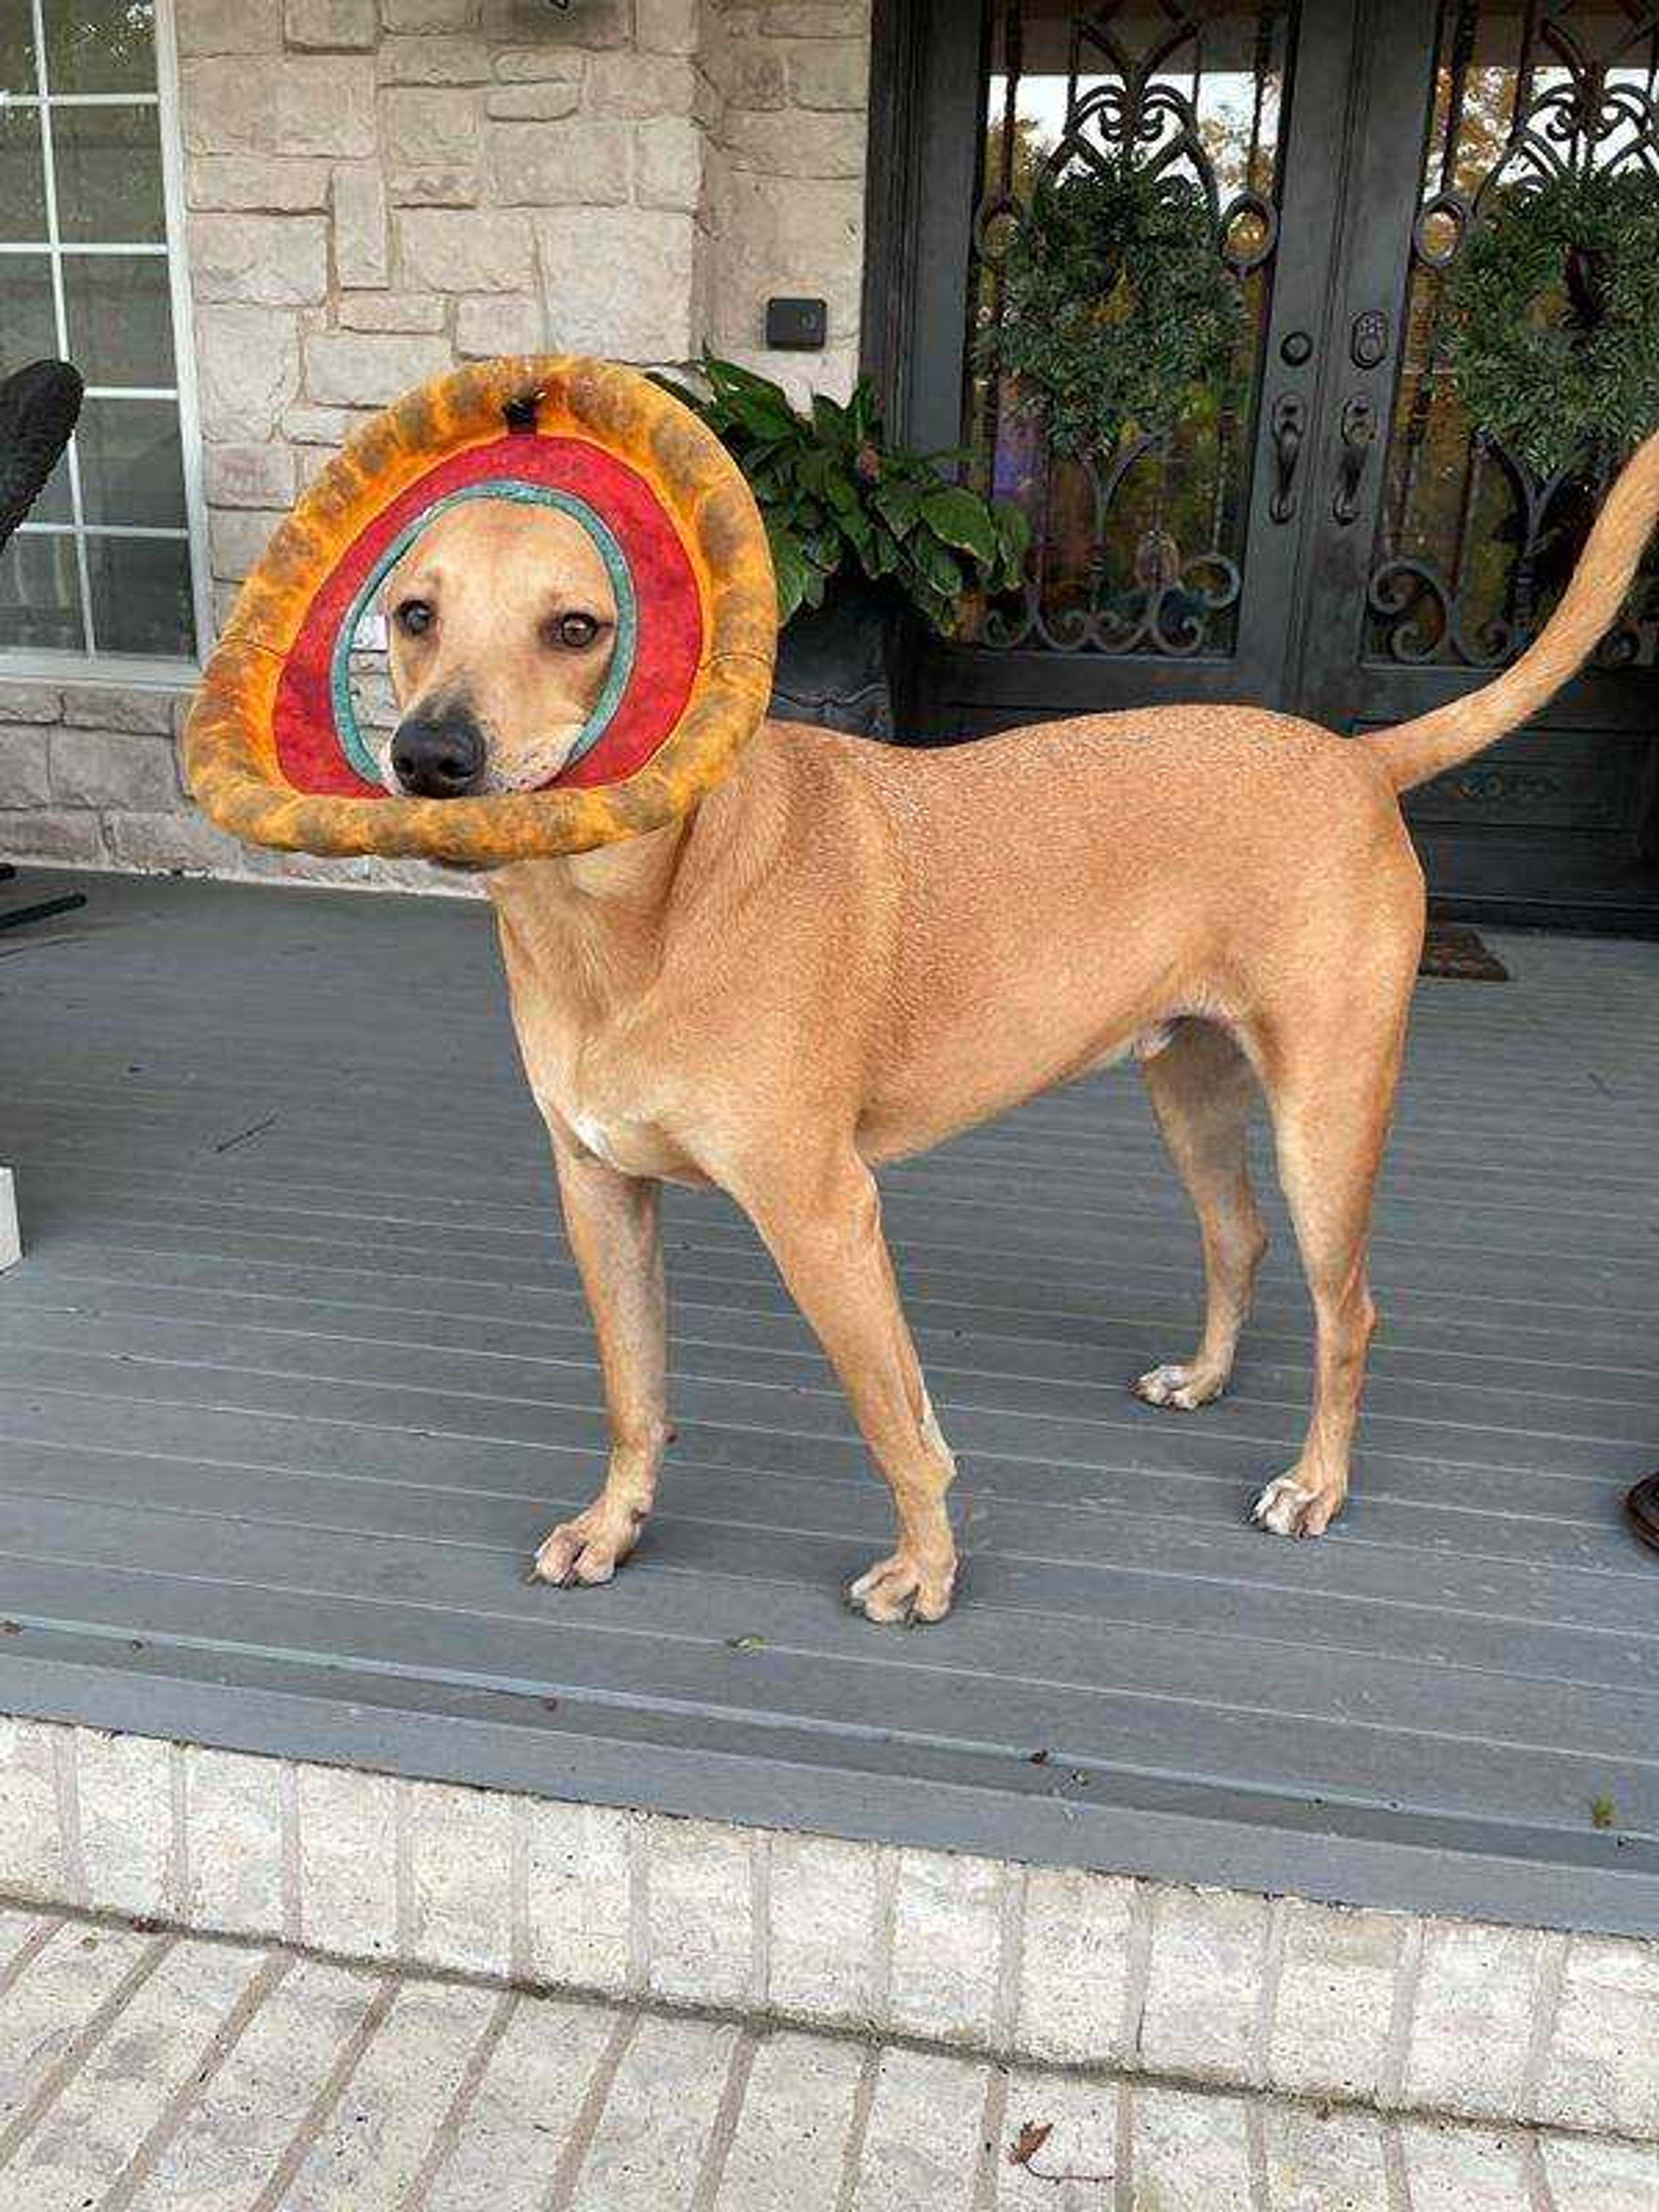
column 129, row 671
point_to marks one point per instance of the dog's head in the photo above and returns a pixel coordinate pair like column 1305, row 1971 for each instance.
column 501, row 624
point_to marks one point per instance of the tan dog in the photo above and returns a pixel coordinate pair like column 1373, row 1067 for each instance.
column 848, row 952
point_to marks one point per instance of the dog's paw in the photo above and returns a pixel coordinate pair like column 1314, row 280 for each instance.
column 587, row 1551
column 1185, row 1389
column 1289, row 1507
column 899, row 1591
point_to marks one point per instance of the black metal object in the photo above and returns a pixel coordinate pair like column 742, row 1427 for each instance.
column 1642, row 1509
column 797, row 326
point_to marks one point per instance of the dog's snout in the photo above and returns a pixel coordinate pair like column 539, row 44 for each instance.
column 438, row 755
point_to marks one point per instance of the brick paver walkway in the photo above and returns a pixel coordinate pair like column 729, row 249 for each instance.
column 174, row 2074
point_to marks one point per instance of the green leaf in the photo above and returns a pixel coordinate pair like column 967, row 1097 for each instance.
column 792, row 569
column 898, row 505
column 962, row 520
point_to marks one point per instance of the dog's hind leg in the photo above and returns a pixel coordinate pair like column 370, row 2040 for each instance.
column 612, row 1220
column 1202, row 1087
column 1330, row 1084
column 823, row 1226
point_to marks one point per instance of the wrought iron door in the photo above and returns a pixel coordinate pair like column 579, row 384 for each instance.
column 1322, row 530
column 1453, row 547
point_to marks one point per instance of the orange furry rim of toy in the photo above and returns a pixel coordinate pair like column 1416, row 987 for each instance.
column 272, row 752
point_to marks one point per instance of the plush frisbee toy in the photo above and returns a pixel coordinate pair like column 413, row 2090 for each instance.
column 272, row 748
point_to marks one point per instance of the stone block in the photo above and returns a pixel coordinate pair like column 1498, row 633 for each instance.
column 699, row 1885
column 455, row 250
column 291, row 104
column 579, row 163
column 98, row 767
column 758, row 78
column 823, row 1903
column 421, row 122
column 183, row 843
column 359, row 369
column 319, row 426
column 1074, row 1965
column 795, row 144
column 228, row 26
column 1587, row 2176
column 29, row 702
column 495, row 323
column 113, row 707
column 816, row 19
column 806, row 239
column 348, row 1856
column 539, row 64
column 362, row 246
column 31, row 1860
column 921, row 2140
column 124, row 1790
column 1336, row 1986
column 945, row 1976
column 234, row 1842
column 1601, row 2071
column 430, row 15
column 579, row 1887
column 438, row 187
column 23, row 778
column 1083, row 2117
column 532, row 103
column 1472, row 2025
column 668, row 164
column 1318, row 2158
column 392, row 310
column 279, row 261
column 49, row 835
column 1191, row 2154
column 831, row 74
column 619, row 282
column 249, row 367
column 1463, row 2169
column 653, row 2136
column 433, row 61
column 639, row 85
column 1203, row 1993
column 244, row 182
column 249, row 476
column 460, row 1845
column 667, row 27
column 236, row 538
column 331, row 25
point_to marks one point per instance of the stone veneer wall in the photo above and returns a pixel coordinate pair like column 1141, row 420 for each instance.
column 378, row 189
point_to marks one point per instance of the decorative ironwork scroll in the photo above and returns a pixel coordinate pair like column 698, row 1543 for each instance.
column 1137, row 550
column 1472, row 546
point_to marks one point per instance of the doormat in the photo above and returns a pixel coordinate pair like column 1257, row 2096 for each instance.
column 1452, row 949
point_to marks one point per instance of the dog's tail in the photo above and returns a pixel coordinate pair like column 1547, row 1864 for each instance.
column 1413, row 751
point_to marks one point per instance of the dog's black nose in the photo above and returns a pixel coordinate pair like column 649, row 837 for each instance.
column 438, row 755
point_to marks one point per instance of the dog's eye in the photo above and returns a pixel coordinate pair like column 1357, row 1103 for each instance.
column 416, row 617
column 575, row 631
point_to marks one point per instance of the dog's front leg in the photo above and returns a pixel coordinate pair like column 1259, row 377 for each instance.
column 612, row 1220
column 823, row 1227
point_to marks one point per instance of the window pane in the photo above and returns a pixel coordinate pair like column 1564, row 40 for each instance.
column 108, row 164
column 131, row 472
column 99, row 45
column 119, row 317
column 22, row 179
column 141, row 599
column 54, row 504
column 28, row 329
column 41, row 595
column 16, row 48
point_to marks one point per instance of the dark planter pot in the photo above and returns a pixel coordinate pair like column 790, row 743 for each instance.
column 836, row 664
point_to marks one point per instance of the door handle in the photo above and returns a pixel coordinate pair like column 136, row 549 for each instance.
column 1289, row 423
column 1358, row 436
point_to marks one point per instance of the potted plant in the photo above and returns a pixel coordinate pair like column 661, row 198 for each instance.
column 865, row 537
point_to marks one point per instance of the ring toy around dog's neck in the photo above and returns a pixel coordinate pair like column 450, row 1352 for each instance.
column 273, row 751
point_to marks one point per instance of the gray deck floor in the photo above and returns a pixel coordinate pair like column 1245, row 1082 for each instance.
column 295, row 1372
